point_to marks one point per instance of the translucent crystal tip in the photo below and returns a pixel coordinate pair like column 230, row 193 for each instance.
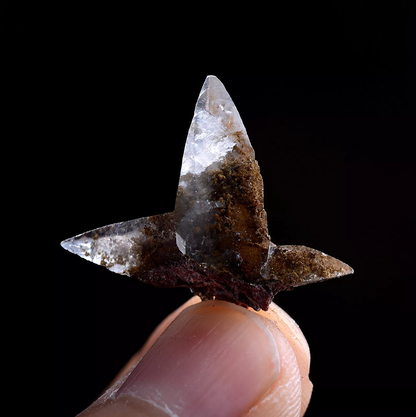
column 212, row 90
column 66, row 244
column 72, row 245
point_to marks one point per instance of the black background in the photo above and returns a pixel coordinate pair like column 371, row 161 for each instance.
column 326, row 94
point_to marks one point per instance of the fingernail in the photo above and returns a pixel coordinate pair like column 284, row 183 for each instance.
column 215, row 359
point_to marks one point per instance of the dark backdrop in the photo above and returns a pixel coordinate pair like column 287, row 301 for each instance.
column 326, row 96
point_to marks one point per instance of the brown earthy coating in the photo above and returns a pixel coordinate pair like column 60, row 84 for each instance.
column 250, row 269
column 220, row 213
column 163, row 265
column 240, row 264
column 242, row 224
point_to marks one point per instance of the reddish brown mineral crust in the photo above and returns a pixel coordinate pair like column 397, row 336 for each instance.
column 163, row 265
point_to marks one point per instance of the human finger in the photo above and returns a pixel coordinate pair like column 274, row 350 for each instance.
column 300, row 347
column 253, row 386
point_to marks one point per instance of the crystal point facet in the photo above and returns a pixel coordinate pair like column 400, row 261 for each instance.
column 216, row 241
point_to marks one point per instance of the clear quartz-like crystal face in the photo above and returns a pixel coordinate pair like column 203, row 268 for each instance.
column 210, row 136
column 216, row 241
column 111, row 246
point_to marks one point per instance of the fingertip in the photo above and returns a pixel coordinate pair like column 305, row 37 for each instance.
column 284, row 399
column 215, row 358
column 289, row 329
column 288, row 396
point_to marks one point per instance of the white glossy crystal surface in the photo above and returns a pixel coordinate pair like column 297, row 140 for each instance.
column 210, row 135
column 110, row 246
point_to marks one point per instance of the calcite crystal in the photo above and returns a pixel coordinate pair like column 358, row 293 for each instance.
column 216, row 241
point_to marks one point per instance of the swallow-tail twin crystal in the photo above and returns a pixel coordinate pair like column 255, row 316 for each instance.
column 216, row 241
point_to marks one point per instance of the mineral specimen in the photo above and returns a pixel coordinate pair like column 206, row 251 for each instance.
column 216, row 241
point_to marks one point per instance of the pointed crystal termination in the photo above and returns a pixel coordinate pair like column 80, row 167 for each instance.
column 216, row 242
column 219, row 209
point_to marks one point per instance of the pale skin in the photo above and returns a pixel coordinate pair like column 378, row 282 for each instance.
column 285, row 391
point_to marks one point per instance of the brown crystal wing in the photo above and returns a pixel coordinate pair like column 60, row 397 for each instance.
column 290, row 266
